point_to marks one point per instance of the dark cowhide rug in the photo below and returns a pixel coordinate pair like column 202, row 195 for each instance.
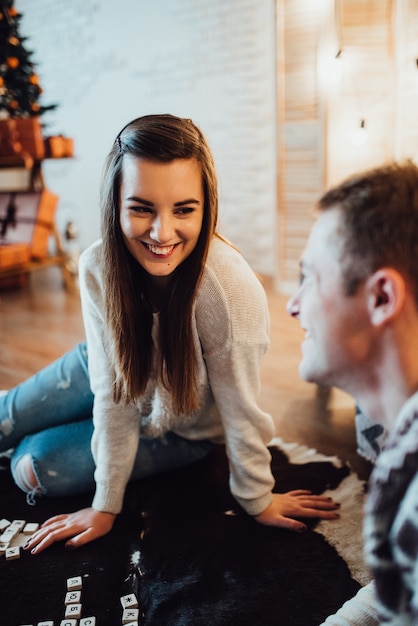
column 191, row 556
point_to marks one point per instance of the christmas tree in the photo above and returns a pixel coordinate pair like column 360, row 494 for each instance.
column 19, row 83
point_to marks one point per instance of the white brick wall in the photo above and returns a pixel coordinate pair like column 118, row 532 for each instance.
column 105, row 63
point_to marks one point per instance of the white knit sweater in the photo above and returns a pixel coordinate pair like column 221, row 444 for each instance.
column 230, row 328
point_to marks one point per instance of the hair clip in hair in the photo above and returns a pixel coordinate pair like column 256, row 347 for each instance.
column 119, row 144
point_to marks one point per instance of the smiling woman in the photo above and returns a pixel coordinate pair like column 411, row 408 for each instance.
column 161, row 213
column 176, row 325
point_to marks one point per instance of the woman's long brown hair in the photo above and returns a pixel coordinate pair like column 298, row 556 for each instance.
column 129, row 316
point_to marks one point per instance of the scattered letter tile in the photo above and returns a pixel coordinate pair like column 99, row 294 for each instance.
column 18, row 524
column 73, row 610
column 72, row 597
column 30, row 528
column 130, row 615
column 75, row 583
column 129, row 601
column 12, row 553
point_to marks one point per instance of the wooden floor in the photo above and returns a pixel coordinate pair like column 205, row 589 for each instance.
column 41, row 321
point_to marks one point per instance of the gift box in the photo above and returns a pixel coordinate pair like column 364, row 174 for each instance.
column 28, row 217
column 16, row 281
column 58, row 147
column 54, row 147
column 14, row 254
column 22, row 136
column 68, row 147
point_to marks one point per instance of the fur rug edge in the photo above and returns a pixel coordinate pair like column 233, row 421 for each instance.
column 346, row 533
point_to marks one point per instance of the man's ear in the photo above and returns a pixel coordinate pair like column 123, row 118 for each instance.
column 386, row 290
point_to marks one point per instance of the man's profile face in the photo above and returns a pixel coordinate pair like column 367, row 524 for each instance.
column 335, row 324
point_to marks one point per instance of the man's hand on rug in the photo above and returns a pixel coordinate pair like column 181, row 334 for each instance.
column 82, row 527
column 296, row 504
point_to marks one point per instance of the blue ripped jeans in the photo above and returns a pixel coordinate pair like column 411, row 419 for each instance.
column 49, row 418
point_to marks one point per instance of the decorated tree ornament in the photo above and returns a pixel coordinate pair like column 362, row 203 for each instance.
column 12, row 62
column 20, row 79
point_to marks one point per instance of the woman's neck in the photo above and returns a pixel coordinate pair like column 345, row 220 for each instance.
column 157, row 290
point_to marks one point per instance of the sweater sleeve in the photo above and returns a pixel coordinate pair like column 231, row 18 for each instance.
column 116, row 427
column 359, row 611
column 233, row 324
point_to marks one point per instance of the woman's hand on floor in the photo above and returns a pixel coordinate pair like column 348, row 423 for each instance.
column 80, row 528
column 296, row 504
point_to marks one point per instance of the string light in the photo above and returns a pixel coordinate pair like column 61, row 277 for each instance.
column 330, row 69
column 360, row 135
